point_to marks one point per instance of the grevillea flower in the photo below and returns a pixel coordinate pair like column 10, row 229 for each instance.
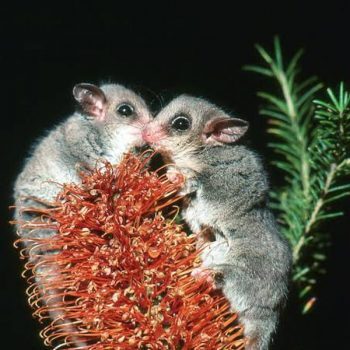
column 116, row 274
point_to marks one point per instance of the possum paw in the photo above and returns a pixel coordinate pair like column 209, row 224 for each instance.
column 174, row 176
column 201, row 273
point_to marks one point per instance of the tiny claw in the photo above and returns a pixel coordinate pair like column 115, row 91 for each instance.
column 174, row 176
column 205, row 274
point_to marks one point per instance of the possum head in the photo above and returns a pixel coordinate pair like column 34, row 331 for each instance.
column 188, row 125
column 118, row 113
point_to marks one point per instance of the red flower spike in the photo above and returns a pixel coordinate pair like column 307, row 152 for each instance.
column 119, row 273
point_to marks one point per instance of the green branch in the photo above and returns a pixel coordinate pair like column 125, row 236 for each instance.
column 312, row 147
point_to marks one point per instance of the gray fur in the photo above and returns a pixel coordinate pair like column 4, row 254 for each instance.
column 81, row 140
column 227, row 189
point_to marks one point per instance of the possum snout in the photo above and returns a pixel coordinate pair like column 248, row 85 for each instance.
column 153, row 133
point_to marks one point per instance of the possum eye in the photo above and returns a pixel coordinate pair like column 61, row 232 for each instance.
column 125, row 109
column 181, row 123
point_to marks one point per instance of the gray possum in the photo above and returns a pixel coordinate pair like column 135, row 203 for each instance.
column 227, row 191
column 107, row 124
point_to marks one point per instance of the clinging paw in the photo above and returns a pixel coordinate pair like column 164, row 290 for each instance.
column 212, row 276
column 203, row 273
column 174, row 175
column 190, row 183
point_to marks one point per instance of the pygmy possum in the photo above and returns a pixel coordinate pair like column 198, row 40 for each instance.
column 107, row 123
column 227, row 193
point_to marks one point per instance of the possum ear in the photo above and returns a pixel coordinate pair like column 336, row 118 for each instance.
column 91, row 99
column 224, row 130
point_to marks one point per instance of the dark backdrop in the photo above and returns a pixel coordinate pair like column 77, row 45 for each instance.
column 160, row 50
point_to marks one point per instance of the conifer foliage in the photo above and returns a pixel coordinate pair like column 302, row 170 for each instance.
column 311, row 141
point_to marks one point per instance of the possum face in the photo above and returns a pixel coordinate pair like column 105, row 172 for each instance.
column 117, row 112
column 188, row 125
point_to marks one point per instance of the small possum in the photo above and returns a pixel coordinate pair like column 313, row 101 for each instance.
column 108, row 123
column 227, row 190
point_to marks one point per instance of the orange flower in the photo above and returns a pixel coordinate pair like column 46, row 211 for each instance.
column 117, row 272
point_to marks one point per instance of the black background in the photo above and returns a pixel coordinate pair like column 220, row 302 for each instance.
column 161, row 50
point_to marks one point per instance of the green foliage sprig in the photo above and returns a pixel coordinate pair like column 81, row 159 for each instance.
column 311, row 140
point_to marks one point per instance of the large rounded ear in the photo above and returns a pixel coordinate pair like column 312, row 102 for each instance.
column 224, row 130
column 91, row 99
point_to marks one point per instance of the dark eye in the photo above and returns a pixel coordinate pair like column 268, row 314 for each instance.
column 181, row 123
column 125, row 110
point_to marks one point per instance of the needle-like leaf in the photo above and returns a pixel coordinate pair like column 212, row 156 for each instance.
column 311, row 140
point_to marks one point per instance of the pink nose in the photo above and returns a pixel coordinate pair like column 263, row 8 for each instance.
column 152, row 135
column 146, row 135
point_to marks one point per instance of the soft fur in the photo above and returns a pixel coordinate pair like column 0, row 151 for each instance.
column 227, row 189
column 80, row 141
